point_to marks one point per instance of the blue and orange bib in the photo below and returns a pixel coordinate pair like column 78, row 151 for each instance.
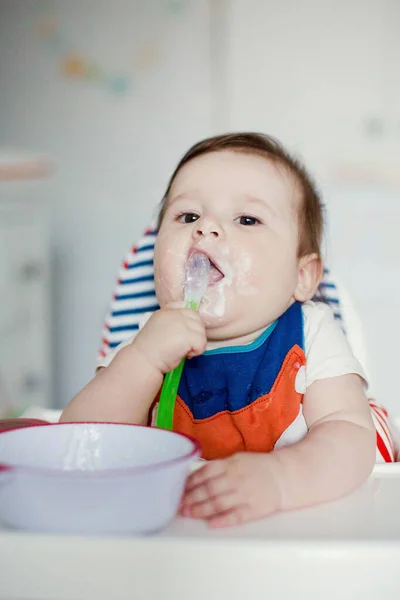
column 244, row 397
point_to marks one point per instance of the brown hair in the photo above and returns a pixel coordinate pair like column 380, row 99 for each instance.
column 311, row 220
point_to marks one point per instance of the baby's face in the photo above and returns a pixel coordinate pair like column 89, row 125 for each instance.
column 241, row 211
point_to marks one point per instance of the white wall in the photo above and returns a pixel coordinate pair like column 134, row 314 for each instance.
column 323, row 77
column 314, row 73
column 113, row 154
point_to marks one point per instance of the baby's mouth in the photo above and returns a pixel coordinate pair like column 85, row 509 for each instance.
column 215, row 273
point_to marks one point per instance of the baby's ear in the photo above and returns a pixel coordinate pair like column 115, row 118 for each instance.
column 309, row 276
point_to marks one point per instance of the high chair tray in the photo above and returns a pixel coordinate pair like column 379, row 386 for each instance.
column 348, row 549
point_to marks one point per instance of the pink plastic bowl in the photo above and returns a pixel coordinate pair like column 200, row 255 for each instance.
column 92, row 478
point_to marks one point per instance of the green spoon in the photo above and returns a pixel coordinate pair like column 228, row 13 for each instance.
column 196, row 283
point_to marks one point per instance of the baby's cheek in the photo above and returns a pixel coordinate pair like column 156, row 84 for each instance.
column 247, row 281
column 169, row 266
column 247, row 286
column 245, row 273
column 168, row 289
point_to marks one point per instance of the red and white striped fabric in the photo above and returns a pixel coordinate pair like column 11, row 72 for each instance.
column 385, row 444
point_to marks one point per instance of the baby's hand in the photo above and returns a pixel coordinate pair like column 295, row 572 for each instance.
column 169, row 335
column 241, row 488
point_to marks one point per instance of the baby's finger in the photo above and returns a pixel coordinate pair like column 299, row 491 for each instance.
column 191, row 314
column 175, row 304
column 198, row 343
column 214, row 468
column 235, row 516
column 197, row 351
column 196, row 327
column 211, row 488
column 211, row 507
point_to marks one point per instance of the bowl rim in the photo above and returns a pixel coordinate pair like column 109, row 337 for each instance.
column 115, row 472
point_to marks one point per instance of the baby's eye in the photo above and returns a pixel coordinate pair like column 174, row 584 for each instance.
column 247, row 220
column 187, row 217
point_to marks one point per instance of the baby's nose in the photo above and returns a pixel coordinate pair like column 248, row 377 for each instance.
column 206, row 228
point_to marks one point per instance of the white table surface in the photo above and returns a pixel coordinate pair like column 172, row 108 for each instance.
column 347, row 549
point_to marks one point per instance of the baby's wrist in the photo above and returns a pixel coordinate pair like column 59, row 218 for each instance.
column 289, row 477
column 147, row 357
column 133, row 355
column 277, row 473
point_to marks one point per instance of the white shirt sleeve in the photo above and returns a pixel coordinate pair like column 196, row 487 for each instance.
column 328, row 353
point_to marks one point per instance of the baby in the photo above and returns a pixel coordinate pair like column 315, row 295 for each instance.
column 272, row 390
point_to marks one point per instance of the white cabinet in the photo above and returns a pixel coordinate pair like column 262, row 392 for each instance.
column 24, row 299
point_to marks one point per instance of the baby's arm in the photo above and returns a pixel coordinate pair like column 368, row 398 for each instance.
column 338, row 453
column 121, row 393
column 124, row 391
column 336, row 456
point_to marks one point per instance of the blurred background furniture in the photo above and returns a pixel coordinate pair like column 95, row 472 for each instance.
column 24, row 284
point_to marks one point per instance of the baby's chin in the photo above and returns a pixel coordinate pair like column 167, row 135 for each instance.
column 212, row 322
column 215, row 321
column 223, row 332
